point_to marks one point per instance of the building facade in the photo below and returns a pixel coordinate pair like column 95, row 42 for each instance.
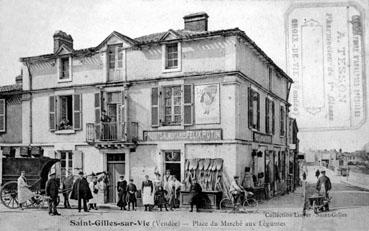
column 179, row 100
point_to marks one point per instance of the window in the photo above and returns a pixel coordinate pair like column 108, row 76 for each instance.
column 66, row 163
column 64, row 69
column 171, row 56
column 173, row 163
column 269, row 116
column 115, row 56
column 254, row 109
column 65, row 112
column 2, row 115
column 282, row 120
column 172, row 105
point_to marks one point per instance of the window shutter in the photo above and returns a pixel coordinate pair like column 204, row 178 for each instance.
column 258, row 112
column 273, row 119
column 97, row 107
column 77, row 162
column 52, row 113
column 250, row 114
column 123, row 107
column 188, row 105
column 267, row 115
column 155, row 107
column 280, row 121
column 77, row 112
column 2, row 115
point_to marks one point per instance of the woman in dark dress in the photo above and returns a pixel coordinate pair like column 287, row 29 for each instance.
column 132, row 189
column 160, row 198
column 122, row 193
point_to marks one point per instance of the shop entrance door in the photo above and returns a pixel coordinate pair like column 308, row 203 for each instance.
column 172, row 162
column 116, row 168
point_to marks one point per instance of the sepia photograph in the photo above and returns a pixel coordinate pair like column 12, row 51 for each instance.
column 184, row 115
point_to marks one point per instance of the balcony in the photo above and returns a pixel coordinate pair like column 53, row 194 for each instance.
column 112, row 132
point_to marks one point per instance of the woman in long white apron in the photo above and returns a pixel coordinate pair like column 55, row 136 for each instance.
column 147, row 193
column 94, row 191
column 24, row 194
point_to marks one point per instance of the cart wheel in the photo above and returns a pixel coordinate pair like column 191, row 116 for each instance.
column 9, row 195
column 315, row 208
column 226, row 204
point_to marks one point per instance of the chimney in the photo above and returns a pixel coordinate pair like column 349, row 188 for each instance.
column 196, row 22
column 60, row 38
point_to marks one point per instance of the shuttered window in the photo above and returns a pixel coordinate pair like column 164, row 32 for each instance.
column 2, row 115
column 52, row 113
column 254, row 109
column 77, row 112
column 155, row 107
column 267, row 116
column 188, row 104
column 282, row 120
column 273, row 118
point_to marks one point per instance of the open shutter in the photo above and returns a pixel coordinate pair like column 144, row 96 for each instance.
column 97, row 114
column 267, row 130
column 77, row 162
column 250, row 110
column 188, row 105
column 155, row 107
column 52, row 113
column 2, row 115
column 258, row 112
column 273, row 119
column 123, row 129
column 77, row 112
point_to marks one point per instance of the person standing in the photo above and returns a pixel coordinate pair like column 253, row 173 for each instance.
column 160, row 194
column 52, row 190
column 81, row 192
column 24, row 194
column 324, row 184
column 147, row 193
column 157, row 183
column 177, row 191
column 131, row 189
column 67, row 185
column 171, row 192
column 248, row 182
column 94, row 191
column 122, row 193
column 197, row 197
column 101, row 186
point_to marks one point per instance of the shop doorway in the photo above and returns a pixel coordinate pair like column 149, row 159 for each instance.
column 172, row 163
column 116, row 168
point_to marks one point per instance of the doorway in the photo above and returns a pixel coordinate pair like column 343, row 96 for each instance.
column 116, row 168
column 172, row 162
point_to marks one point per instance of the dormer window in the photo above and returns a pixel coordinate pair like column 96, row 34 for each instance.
column 171, row 57
column 64, row 69
column 115, row 62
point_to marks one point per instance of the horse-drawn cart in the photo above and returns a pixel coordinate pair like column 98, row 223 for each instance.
column 36, row 169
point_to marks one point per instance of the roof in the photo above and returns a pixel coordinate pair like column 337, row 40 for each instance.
column 10, row 88
column 181, row 35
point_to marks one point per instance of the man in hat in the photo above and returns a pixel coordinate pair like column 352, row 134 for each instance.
column 81, row 192
column 236, row 189
column 52, row 190
column 324, row 184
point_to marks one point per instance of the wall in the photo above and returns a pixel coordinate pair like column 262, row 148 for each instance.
column 13, row 132
column 143, row 162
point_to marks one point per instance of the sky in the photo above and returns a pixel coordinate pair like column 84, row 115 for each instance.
column 27, row 27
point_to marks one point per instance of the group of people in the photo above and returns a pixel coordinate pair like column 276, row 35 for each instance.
column 160, row 192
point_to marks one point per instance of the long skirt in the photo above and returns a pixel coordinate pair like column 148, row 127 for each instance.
column 147, row 199
column 24, row 194
column 122, row 202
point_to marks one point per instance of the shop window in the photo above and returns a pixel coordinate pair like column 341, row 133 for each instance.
column 254, row 109
column 172, row 105
column 66, row 163
column 65, row 112
column 172, row 163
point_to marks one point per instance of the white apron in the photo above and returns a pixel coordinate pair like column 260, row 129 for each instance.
column 147, row 199
column 24, row 194
column 94, row 199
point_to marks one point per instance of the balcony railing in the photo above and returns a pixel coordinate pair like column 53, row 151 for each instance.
column 112, row 131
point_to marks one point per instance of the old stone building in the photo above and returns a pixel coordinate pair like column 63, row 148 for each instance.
column 191, row 101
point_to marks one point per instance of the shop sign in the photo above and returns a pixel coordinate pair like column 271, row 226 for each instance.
column 186, row 135
column 262, row 138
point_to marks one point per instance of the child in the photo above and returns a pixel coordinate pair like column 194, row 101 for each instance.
column 132, row 189
column 160, row 195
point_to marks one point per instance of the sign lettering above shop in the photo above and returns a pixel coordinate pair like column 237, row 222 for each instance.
column 191, row 135
column 262, row 138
